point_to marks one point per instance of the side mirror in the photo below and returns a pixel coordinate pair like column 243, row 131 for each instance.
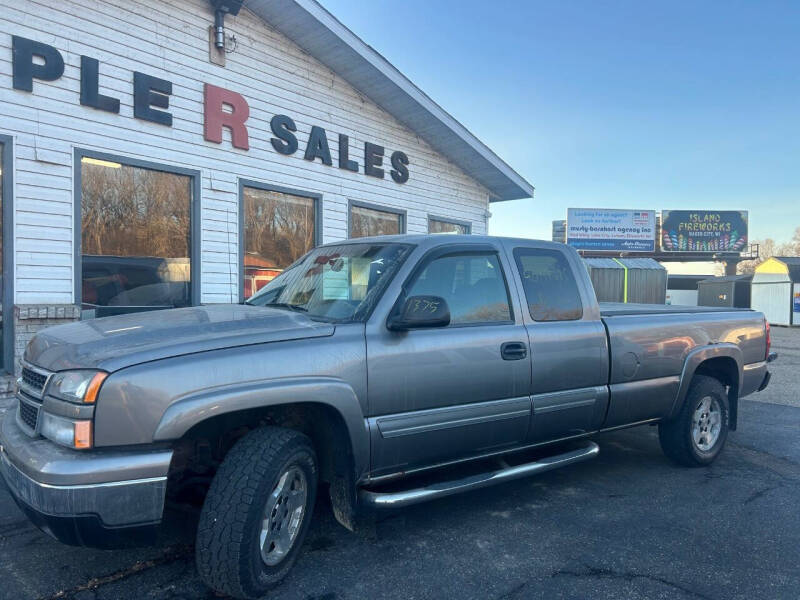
column 420, row 312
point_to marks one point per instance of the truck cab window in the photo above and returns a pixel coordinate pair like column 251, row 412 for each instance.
column 472, row 284
column 550, row 287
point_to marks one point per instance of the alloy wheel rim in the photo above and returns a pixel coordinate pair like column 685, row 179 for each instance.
column 706, row 423
column 283, row 516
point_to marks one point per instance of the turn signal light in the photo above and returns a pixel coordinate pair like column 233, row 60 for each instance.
column 94, row 387
column 83, row 434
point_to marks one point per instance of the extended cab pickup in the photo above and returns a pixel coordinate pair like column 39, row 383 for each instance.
column 362, row 365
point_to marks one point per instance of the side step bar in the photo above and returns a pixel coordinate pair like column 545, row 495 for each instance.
column 448, row 488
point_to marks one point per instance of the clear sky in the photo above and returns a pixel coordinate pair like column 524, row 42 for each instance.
column 624, row 104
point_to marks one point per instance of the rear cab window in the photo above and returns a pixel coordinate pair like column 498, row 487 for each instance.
column 548, row 280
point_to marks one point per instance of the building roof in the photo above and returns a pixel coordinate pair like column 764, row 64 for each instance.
column 729, row 278
column 685, row 282
column 621, row 263
column 792, row 266
column 320, row 34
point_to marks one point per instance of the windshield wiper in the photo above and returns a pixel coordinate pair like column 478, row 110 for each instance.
column 296, row 307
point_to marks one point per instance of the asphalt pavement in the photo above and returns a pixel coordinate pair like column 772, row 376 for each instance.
column 785, row 385
column 628, row 524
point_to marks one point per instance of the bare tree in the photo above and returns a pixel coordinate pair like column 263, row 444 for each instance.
column 279, row 228
column 768, row 248
column 127, row 211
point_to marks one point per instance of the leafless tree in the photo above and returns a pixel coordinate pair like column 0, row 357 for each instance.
column 279, row 228
column 127, row 211
column 768, row 248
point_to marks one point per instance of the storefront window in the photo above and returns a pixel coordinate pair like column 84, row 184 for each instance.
column 440, row 226
column 279, row 228
column 135, row 238
column 366, row 221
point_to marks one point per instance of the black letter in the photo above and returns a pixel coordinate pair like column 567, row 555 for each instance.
column 373, row 158
column 151, row 91
column 344, row 154
column 90, row 87
column 24, row 68
column 400, row 171
column 317, row 146
column 282, row 126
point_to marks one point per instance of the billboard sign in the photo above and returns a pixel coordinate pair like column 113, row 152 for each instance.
column 611, row 229
column 703, row 230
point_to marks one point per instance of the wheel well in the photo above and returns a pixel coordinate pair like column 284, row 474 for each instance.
column 726, row 371
column 198, row 454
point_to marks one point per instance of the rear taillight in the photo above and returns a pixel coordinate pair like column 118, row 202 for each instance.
column 769, row 339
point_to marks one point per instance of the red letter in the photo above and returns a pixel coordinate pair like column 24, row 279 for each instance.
column 215, row 118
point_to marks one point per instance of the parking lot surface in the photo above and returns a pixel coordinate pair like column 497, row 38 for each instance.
column 626, row 525
column 785, row 385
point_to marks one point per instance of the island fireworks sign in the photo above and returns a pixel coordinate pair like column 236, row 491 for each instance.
column 703, row 230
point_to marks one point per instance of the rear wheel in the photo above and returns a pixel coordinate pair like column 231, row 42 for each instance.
column 257, row 512
column 696, row 436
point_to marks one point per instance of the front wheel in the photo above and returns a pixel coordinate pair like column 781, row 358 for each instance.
column 257, row 512
column 696, row 436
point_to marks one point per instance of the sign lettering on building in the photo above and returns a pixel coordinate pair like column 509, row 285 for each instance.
column 223, row 109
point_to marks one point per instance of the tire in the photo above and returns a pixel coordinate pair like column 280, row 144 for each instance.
column 697, row 435
column 265, row 471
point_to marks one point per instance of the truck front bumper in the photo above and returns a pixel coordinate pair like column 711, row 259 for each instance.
column 101, row 498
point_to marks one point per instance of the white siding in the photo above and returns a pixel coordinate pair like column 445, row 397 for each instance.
column 682, row 297
column 774, row 300
column 170, row 40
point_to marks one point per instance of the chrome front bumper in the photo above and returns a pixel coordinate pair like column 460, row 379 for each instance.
column 109, row 488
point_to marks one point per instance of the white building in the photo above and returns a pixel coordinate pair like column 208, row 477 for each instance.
column 142, row 167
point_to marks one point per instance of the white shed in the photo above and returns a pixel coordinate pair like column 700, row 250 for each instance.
column 776, row 290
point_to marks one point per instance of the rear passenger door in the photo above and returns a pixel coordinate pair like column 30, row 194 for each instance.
column 445, row 393
column 569, row 348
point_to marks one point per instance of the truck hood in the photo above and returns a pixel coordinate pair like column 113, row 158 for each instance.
column 113, row 343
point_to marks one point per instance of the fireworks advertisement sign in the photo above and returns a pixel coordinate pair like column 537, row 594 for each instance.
column 611, row 229
column 703, row 230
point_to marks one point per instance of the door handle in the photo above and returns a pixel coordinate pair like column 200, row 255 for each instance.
column 514, row 350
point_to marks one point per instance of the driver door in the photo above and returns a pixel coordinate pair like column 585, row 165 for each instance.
column 445, row 393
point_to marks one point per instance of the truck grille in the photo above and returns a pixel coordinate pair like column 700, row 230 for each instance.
column 28, row 414
column 33, row 379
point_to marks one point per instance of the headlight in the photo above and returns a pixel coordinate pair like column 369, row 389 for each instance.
column 73, row 434
column 76, row 386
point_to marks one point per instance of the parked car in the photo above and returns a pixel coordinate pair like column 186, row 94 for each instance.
column 362, row 365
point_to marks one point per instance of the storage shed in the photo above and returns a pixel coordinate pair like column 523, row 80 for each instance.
column 640, row 280
column 682, row 289
column 776, row 290
column 729, row 291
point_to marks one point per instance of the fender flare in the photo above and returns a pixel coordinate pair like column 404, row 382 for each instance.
column 697, row 357
column 193, row 409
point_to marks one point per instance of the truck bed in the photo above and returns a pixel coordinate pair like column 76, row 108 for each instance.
column 616, row 309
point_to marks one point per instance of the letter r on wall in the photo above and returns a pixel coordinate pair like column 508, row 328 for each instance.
column 215, row 99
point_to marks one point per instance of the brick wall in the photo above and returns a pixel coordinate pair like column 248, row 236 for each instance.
column 32, row 318
column 28, row 320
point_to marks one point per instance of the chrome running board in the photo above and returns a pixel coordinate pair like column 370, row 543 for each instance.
column 402, row 498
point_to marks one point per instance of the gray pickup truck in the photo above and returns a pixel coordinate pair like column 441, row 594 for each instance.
column 391, row 370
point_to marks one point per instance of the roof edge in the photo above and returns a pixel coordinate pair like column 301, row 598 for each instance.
column 510, row 185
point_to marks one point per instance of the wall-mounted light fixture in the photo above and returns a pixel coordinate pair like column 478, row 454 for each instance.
column 222, row 8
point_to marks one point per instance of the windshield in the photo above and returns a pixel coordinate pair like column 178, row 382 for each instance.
column 335, row 283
